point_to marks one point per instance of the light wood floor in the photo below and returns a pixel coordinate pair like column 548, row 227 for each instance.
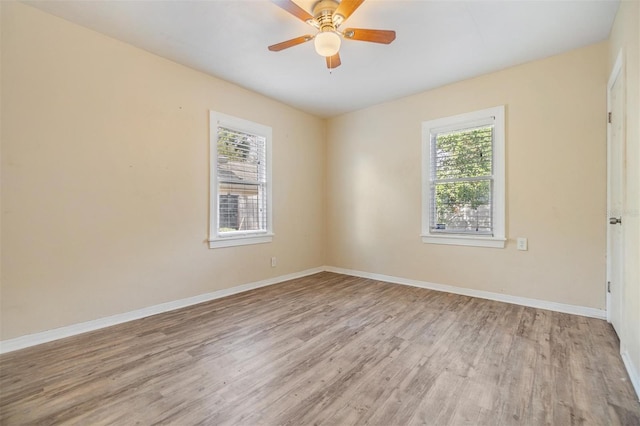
column 328, row 349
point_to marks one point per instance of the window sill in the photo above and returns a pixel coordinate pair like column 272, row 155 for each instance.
column 240, row 240
column 463, row 240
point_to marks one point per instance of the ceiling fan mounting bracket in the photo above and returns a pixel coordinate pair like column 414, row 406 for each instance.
column 326, row 6
column 323, row 12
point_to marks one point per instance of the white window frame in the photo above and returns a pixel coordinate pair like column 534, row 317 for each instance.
column 460, row 122
column 216, row 239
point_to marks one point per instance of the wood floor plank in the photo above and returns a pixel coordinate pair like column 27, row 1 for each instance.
column 328, row 349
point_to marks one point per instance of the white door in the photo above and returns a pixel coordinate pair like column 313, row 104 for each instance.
column 615, row 191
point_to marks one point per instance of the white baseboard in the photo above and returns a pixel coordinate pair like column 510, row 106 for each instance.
column 632, row 371
column 516, row 300
column 74, row 329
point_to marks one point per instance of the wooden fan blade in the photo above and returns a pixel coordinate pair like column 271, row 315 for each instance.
column 347, row 7
column 374, row 36
column 293, row 9
column 333, row 61
column 290, row 43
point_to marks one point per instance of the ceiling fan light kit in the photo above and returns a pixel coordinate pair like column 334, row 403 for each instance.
column 327, row 17
column 327, row 43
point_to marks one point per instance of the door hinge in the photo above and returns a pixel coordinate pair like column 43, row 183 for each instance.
column 609, row 117
column 608, row 286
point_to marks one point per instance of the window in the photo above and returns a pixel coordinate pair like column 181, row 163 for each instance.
column 240, row 182
column 463, row 179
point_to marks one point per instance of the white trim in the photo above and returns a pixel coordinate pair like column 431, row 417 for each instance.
column 632, row 371
column 240, row 241
column 617, row 67
column 75, row 329
column 461, row 240
column 497, row 116
column 516, row 300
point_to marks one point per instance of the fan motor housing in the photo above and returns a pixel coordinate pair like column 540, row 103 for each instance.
column 323, row 12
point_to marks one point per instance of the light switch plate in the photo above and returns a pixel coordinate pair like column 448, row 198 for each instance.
column 522, row 243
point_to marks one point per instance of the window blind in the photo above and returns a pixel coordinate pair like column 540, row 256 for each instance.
column 242, row 180
column 462, row 180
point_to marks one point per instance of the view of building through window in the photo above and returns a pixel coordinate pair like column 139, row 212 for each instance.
column 241, row 170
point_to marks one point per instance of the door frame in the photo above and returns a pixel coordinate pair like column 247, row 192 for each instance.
column 616, row 72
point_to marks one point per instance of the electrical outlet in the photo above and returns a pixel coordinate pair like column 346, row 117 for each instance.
column 522, row 243
column 274, row 262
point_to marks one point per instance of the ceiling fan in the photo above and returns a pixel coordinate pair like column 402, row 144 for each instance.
column 327, row 17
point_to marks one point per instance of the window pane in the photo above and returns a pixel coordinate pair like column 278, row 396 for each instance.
column 242, row 180
column 462, row 207
column 242, row 208
column 463, row 154
column 241, row 156
column 228, row 212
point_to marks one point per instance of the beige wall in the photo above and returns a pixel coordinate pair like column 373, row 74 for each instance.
column 555, row 177
column 625, row 37
column 105, row 178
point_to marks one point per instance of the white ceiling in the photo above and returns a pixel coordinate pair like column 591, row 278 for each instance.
column 438, row 42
